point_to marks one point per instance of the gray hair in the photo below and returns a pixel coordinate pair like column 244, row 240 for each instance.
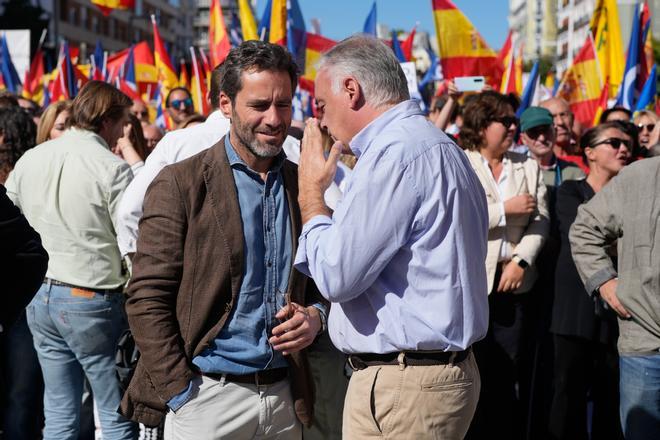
column 372, row 64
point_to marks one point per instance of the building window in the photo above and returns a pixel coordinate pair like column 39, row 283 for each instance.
column 95, row 24
column 72, row 15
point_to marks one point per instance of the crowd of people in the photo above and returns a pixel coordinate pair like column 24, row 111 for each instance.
column 373, row 272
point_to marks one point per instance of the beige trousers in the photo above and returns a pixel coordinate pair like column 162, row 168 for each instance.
column 412, row 402
column 227, row 410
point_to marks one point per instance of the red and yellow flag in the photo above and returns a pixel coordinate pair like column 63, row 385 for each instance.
column 512, row 78
column 33, row 87
column 166, row 74
column 219, row 44
column 107, row 6
column 606, row 33
column 581, row 85
column 184, row 81
column 602, row 102
column 316, row 46
column 463, row 51
column 278, row 17
column 198, row 88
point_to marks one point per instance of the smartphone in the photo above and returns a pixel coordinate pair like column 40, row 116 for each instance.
column 470, row 83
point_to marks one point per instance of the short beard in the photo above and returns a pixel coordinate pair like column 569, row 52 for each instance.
column 247, row 138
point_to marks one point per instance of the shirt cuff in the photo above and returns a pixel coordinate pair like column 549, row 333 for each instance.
column 323, row 310
column 300, row 262
column 176, row 402
column 502, row 215
column 598, row 279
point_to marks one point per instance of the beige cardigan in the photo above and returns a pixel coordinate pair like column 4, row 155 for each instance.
column 526, row 233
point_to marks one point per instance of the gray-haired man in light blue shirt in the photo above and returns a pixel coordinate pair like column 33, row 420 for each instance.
column 402, row 256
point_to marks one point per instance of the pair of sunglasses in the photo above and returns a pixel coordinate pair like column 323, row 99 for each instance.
column 615, row 143
column 535, row 132
column 649, row 127
column 176, row 103
column 507, row 121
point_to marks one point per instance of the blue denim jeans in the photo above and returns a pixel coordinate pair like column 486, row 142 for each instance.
column 75, row 334
column 639, row 388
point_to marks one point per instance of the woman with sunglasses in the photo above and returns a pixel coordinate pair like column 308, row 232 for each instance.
column 649, row 129
column 584, row 332
column 518, row 225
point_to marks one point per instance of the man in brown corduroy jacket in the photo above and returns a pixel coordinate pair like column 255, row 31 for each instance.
column 218, row 313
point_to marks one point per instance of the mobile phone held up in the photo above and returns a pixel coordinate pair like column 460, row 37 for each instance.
column 470, row 83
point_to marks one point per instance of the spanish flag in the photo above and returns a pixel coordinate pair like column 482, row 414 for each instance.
column 581, row 84
column 512, row 78
column 606, row 33
column 107, row 6
column 183, row 75
column 278, row 16
column 198, row 88
column 219, row 45
column 602, row 102
column 33, row 87
column 166, row 74
column 248, row 23
column 463, row 51
column 315, row 47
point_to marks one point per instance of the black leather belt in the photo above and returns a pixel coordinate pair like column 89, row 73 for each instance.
column 265, row 377
column 101, row 291
column 361, row 361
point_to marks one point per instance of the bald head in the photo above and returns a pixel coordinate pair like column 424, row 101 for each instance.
column 562, row 118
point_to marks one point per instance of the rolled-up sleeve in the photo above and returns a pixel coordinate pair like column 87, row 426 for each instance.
column 346, row 253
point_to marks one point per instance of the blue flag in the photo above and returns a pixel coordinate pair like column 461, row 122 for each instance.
column 129, row 69
column 626, row 97
column 9, row 74
column 649, row 92
column 235, row 31
column 71, row 80
column 370, row 23
column 296, row 34
column 264, row 23
column 396, row 47
column 530, row 89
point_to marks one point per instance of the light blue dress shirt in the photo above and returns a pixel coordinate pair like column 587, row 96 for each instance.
column 403, row 257
column 242, row 345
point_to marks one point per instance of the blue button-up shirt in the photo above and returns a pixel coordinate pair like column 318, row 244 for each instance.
column 242, row 345
column 403, row 257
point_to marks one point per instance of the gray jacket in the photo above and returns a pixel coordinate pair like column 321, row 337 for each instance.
column 628, row 210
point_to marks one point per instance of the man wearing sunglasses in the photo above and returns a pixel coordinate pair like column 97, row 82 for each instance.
column 179, row 104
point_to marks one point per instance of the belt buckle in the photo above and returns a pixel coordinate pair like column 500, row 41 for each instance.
column 352, row 365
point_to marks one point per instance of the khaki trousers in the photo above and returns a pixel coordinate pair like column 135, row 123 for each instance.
column 227, row 410
column 412, row 402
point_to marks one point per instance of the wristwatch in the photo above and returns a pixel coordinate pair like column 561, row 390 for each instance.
column 520, row 262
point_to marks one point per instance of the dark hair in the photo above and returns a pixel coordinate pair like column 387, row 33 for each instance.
column 8, row 99
column 216, row 83
column 136, row 136
column 255, row 55
column 97, row 102
column 478, row 113
column 609, row 111
column 19, row 135
column 191, row 119
column 592, row 135
column 183, row 89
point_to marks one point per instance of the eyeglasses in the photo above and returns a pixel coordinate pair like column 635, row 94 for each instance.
column 507, row 121
column 615, row 143
column 649, row 127
column 535, row 132
column 176, row 103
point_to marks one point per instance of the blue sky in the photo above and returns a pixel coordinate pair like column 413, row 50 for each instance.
column 341, row 18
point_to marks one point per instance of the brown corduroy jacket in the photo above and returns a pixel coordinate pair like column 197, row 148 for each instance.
column 187, row 274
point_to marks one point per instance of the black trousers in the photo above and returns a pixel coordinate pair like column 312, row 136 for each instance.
column 585, row 370
column 504, row 360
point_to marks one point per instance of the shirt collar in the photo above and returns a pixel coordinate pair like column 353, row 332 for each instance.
column 79, row 132
column 236, row 161
column 361, row 141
